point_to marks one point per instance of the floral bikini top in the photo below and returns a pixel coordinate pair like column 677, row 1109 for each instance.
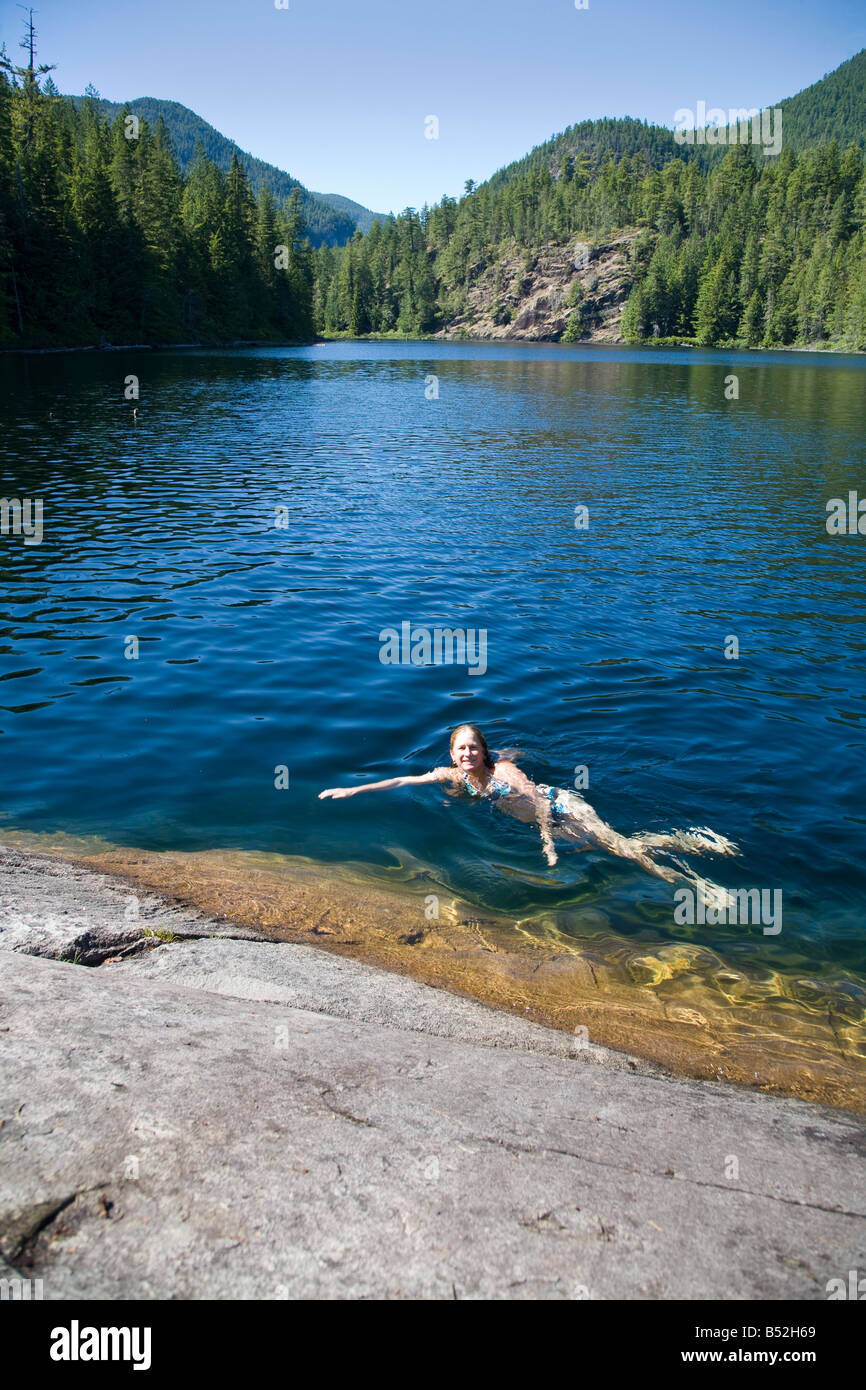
column 494, row 789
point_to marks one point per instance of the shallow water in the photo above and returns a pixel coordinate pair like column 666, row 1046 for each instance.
column 686, row 1007
column 259, row 646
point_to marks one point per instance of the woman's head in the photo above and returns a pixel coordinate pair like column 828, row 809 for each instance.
column 469, row 749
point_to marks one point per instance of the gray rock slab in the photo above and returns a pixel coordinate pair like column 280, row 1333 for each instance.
column 307, row 978
column 52, row 908
column 161, row 1141
column 63, row 911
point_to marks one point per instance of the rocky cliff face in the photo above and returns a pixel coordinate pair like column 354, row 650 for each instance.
column 537, row 296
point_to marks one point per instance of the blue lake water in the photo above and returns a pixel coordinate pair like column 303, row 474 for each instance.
column 259, row 646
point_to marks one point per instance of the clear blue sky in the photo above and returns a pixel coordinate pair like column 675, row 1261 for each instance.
column 337, row 91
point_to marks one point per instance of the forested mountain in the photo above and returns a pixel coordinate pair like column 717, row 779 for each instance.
column 714, row 244
column 328, row 217
column 757, row 252
column 102, row 238
column 362, row 216
column 832, row 109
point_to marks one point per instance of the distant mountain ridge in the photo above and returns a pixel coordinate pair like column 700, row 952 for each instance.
column 364, row 218
column 330, row 218
column 833, row 108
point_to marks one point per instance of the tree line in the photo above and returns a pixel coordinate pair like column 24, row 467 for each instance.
column 102, row 238
column 190, row 135
column 752, row 251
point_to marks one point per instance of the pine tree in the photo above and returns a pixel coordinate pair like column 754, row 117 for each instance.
column 105, row 294
column 751, row 325
column 717, row 310
column 158, row 213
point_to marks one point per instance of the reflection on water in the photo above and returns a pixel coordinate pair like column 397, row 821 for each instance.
column 697, row 1012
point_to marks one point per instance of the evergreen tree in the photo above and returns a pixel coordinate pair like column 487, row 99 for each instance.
column 717, row 310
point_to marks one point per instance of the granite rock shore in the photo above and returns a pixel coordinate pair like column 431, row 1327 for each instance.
column 188, row 1111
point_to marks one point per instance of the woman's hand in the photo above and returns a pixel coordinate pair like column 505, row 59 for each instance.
column 437, row 775
column 550, row 855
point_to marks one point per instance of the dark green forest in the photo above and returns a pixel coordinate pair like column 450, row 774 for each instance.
column 327, row 217
column 103, row 237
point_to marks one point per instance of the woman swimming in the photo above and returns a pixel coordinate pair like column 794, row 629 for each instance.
column 554, row 810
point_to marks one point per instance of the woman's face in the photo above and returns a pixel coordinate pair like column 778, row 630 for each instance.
column 466, row 751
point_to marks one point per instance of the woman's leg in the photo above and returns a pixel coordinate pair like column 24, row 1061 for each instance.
column 581, row 822
column 694, row 841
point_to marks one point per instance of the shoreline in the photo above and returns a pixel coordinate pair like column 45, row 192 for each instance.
column 156, row 347
column 441, row 336
column 675, row 1006
column 205, row 1113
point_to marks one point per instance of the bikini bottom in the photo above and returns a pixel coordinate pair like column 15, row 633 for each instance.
column 561, row 805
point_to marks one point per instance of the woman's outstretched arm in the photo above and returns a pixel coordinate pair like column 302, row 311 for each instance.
column 439, row 774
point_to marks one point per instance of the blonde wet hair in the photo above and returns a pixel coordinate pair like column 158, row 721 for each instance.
column 474, row 729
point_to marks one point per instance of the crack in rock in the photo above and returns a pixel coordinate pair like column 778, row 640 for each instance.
column 22, row 1226
column 511, row 1147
